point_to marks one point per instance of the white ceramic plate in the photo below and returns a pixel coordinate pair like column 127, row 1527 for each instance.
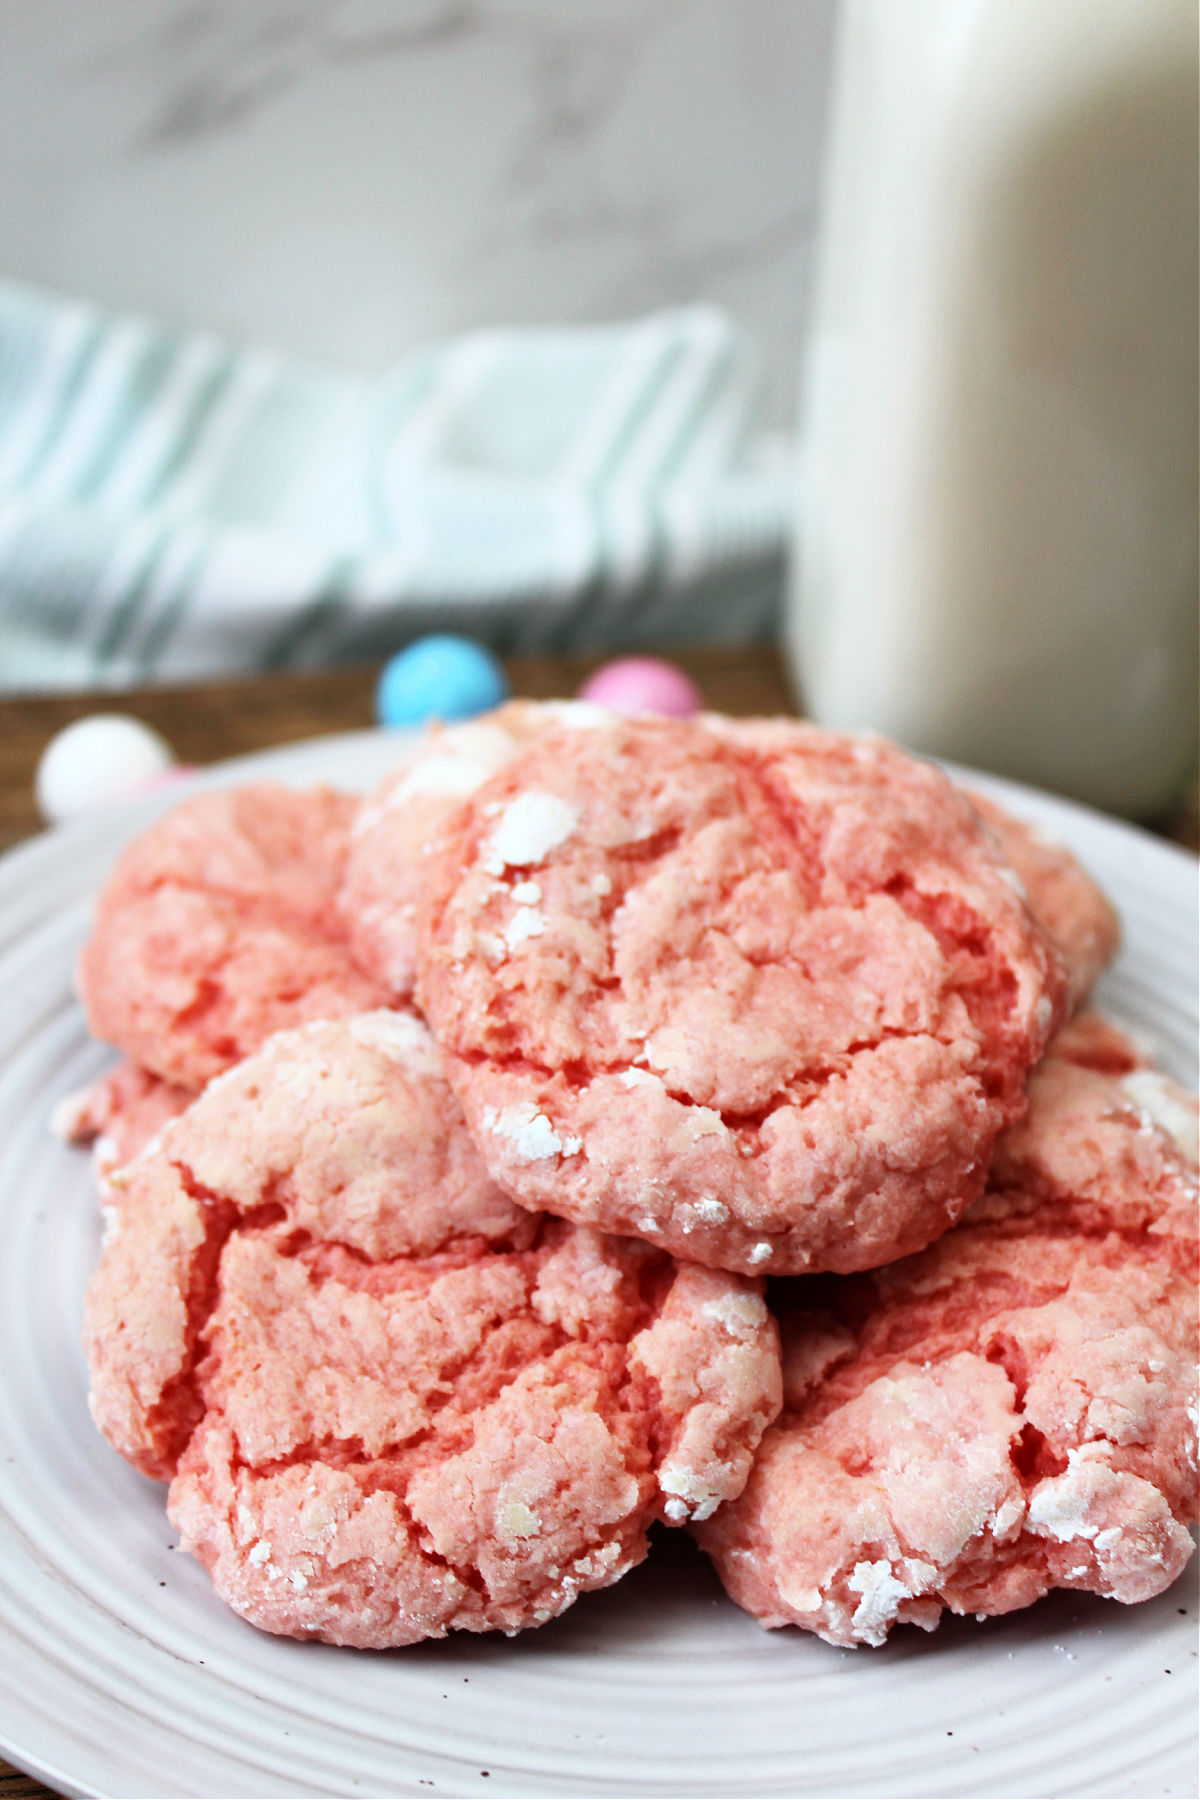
column 120, row 1674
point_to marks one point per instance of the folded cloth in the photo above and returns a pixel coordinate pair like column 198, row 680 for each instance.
column 173, row 507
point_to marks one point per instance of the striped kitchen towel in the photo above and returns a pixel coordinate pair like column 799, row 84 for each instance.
column 172, row 507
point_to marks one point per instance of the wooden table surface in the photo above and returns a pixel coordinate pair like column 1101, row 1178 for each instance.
column 221, row 719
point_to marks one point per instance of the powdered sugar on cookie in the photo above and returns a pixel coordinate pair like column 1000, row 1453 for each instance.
column 760, row 971
column 1003, row 1414
column 389, row 1402
column 398, row 833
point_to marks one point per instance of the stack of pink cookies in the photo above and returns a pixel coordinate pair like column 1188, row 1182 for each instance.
column 460, row 1127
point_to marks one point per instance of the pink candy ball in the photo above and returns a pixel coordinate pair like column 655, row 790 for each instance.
column 643, row 684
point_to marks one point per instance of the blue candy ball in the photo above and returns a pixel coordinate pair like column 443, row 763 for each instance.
column 439, row 677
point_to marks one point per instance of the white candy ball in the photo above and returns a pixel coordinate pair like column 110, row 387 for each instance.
column 105, row 757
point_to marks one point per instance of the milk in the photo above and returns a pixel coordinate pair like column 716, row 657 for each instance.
column 997, row 556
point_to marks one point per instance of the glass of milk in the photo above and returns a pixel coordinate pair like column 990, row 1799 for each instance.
column 997, row 548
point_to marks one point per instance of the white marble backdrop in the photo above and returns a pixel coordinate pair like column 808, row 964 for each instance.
column 345, row 178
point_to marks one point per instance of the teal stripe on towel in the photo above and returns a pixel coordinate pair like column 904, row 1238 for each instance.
column 61, row 408
column 153, row 366
column 175, row 505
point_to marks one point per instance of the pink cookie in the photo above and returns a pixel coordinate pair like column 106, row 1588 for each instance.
column 1007, row 1412
column 1062, row 895
column 395, row 845
column 763, row 996
column 389, row 1402
column 118, row 1115
column 1072, row 910
column 396, row 839
column 1089, row 1040
column 219, row 926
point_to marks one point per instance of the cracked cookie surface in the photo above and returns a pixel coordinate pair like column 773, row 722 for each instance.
column 396, row 840
column 1014, row 1409
column 761, row 994
column 397, row 837
column 218, row 926
column 389, row 1402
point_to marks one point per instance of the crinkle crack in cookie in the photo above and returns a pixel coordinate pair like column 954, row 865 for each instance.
column 763, row 997
column 389, row 1402
column 1011, row 1411
column 219, row 926
column 397, row 836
